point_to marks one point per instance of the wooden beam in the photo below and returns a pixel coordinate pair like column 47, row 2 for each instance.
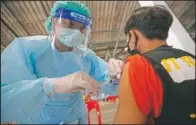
column 101, row 31
column 185, row 8
column 110, row 44
column 12, row 22
column 6, row 34
column 2, row 46
column 191, row 24
column 110, row 49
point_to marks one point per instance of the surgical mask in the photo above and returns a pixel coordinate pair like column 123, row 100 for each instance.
column 70, row 37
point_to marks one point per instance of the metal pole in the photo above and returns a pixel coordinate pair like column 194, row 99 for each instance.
column 114, row 52
column 190, row 25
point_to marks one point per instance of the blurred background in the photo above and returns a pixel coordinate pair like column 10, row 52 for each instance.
column 26, row 18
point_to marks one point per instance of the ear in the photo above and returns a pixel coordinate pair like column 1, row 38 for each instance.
column 139, row 34
column 132, row 38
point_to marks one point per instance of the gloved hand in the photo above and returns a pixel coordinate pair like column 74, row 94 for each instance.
column 115, row 68
column 75, row 82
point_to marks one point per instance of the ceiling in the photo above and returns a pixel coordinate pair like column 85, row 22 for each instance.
column 185, row 12
column 26, row 18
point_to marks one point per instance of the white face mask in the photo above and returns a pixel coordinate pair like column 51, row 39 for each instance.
column 70, row 37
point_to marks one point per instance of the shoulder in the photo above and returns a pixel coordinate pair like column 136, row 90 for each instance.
column 140, row 69
column 138, row 61
column 32, row 39
column 33, row 42
column 90, row 55
column 90, row 52
column 29, row 40
column 27, row 45
column 144, row 82
column 93, row 57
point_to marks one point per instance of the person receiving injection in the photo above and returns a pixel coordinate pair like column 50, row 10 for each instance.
column 41, row 76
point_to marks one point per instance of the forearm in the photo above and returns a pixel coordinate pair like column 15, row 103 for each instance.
column 22, row 98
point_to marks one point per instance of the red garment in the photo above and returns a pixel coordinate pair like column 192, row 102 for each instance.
column 146, row 85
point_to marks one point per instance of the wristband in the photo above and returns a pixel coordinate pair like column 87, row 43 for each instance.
column 48, row 87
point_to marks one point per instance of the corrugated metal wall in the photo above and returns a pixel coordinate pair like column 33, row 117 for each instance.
column 26, row 18
column 185, row 12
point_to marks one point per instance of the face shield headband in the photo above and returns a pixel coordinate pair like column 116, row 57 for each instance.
column 74, row 16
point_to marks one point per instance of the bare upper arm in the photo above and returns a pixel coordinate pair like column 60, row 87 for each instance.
column 128, row 112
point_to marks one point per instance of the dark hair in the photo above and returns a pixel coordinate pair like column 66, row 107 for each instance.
column 152, row 22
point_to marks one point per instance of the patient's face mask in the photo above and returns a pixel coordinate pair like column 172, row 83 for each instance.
column 72, row 29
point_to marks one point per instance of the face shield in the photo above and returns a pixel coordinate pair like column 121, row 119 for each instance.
column 71, row 28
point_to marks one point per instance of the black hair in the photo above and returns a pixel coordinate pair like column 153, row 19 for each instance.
column 152, row 21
